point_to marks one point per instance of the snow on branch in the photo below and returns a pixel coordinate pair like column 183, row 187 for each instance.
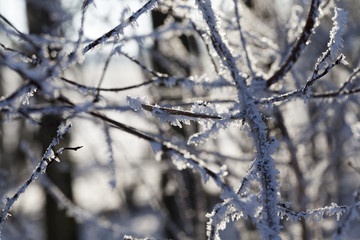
column 65, row 203
column 269, row 226
column 305, row 91
column 201, row 112
column 40, row 77
column 337, row 32
column 315, row 215
column 335, row 44
column 258, row 197
column 227, row 211
column 49, row 157
column 119, row 28
column 182, row 158
column 206, row 111
column 299, row 45
column 319, row 67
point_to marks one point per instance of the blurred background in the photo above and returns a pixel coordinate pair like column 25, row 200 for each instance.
column 319, row 138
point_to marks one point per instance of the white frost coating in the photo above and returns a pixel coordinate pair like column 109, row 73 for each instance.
column 64, row 203
column 184, row 160
column 268, row 224
column 40, row 169
column 175, row 120
column 337, row 32
column 228, row 211
column 211, row 126
column 209, row 132
column 62, row 129
column 137, row 102
column 272, row 145
column 39, row 75
column 179, row 161
column 219, row 219
column 120, row 28
column 60, row 151
column 202, row 137
column 316, row 215
column 204, row 108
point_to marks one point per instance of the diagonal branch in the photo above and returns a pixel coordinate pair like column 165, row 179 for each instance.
column 166, row 146
column 113, row 32
column 48, row 158
column 299, row 45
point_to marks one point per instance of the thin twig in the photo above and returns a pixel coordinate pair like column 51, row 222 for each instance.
column 299, row 45
column 21, row 34
column 178, row 112
column 40, row 169
column 243, row 41
column 316, row 76
column 116, row 30
column 166, row 146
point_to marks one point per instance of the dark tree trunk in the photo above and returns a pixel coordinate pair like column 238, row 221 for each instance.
column 59, row 226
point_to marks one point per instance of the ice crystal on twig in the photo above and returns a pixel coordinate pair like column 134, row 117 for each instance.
column 47, row 159
column 337, row 32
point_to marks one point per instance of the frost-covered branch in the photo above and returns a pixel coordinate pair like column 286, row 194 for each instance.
column 119, row 28
column 65, row 203
column 316, row 76
column 269, row 227
column 305, row 91
column 192, row 115
column 49, row 157
column 203, row 67
column 186, row 159
column 299, row 45
column 316, row 215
